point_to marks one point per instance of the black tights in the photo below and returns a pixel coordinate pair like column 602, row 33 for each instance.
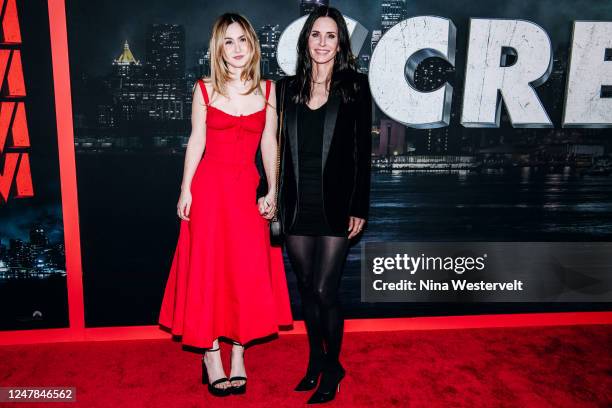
column 317, row 262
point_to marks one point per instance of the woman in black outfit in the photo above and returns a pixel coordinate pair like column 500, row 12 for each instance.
column 325, row 183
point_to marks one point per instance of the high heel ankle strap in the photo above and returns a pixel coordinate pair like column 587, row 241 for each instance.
column 208, row 351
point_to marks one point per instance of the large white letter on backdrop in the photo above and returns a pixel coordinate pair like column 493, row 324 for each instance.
column 488, row 80
column 395, row 59
column 590, row 70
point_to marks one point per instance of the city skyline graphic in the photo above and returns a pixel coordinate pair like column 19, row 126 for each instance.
column 143, row 102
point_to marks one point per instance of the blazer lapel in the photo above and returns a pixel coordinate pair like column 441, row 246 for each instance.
column 291, row 123
column 331, row 114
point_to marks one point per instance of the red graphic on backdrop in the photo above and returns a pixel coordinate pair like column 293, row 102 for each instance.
column 10, row 23
column 14, row 137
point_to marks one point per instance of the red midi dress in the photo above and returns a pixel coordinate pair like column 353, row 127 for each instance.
column 226, row 279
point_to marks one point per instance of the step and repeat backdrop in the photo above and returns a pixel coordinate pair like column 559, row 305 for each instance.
column 491, row 125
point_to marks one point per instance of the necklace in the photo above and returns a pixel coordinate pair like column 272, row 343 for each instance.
column 320, row 83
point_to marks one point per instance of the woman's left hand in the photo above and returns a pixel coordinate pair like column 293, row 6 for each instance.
column 267, row 205
column 355, row 226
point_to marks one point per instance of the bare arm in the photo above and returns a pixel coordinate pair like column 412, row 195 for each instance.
column 197, row 139
column 195, row 149
column 268, row 140
column 269, row 151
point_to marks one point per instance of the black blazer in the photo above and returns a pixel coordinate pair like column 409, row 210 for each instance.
column 346, row 152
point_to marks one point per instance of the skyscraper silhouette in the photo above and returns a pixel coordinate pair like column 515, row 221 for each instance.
column 165, row 54
column 308, row 6
column 391, row 13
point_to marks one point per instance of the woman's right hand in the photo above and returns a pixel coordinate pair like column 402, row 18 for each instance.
column 184, row 205
column 267, row 205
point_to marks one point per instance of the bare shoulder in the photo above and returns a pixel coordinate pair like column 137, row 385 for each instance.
column 272, row 96
column 197, row 93
column 262, row 85
column 211, row 94
column 207, row 83
column 272, row 86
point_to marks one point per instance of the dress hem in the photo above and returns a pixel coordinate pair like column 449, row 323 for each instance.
column 281, row 327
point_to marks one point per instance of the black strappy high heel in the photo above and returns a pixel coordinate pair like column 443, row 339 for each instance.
column 216, row 391
column 238, row 389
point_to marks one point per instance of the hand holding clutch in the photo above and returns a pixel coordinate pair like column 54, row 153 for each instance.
column 267, row 205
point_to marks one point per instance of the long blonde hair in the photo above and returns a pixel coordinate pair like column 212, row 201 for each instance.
column 219, row 72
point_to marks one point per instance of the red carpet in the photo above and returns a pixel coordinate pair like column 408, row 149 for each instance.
column 509, row 367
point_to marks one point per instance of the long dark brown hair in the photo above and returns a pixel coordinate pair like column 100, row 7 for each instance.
column 344, row 62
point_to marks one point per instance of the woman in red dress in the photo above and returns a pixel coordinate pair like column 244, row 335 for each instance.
column 226, row 280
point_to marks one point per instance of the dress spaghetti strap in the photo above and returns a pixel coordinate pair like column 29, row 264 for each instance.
column 204, row 93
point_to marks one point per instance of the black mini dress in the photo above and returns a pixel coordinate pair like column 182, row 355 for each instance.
column 310, row 219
